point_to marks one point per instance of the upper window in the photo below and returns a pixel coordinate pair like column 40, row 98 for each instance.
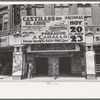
column 5, row 21
column 80, row 11
column 39, row 9
column 23, row 11
column 89, row 14
column 61, row 9
column 86, row 11
column 57, row 11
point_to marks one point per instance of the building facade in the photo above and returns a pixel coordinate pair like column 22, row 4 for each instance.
column 57, row 51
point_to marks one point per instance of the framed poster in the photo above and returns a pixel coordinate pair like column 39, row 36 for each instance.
column 45, row 46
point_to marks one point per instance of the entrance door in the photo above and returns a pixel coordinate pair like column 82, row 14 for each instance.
column 64, row 66
column 42, row 66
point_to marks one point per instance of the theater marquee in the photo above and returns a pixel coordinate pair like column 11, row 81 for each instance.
column 52, row 29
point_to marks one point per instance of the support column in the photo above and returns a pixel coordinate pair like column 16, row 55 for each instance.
column 17, row 62
column 90, row 63
column 53, row 68
column 10, row 17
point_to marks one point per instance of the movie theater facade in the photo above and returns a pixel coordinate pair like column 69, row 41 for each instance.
column 65, row 42
column 53, row 41
column 50, row 42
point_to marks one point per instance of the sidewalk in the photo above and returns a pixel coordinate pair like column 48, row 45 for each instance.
column 48, row 79
column 4, row 77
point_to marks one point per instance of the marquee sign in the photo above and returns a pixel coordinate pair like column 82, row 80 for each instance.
column 39, row 47
column 76, row 30
column 52, row 29
column 53, row 47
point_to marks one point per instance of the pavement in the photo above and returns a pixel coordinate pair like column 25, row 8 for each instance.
column 48, row 79
column 48, row 87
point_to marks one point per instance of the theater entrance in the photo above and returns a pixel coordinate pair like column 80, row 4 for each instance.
column 42, row 66
column 64, row 66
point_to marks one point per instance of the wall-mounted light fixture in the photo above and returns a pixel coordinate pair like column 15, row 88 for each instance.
column 17, row 34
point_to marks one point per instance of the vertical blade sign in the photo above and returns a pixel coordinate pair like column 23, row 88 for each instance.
column 16, row 14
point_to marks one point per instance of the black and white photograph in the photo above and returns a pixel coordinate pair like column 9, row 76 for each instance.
column 50, row 43
column 47, row 42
